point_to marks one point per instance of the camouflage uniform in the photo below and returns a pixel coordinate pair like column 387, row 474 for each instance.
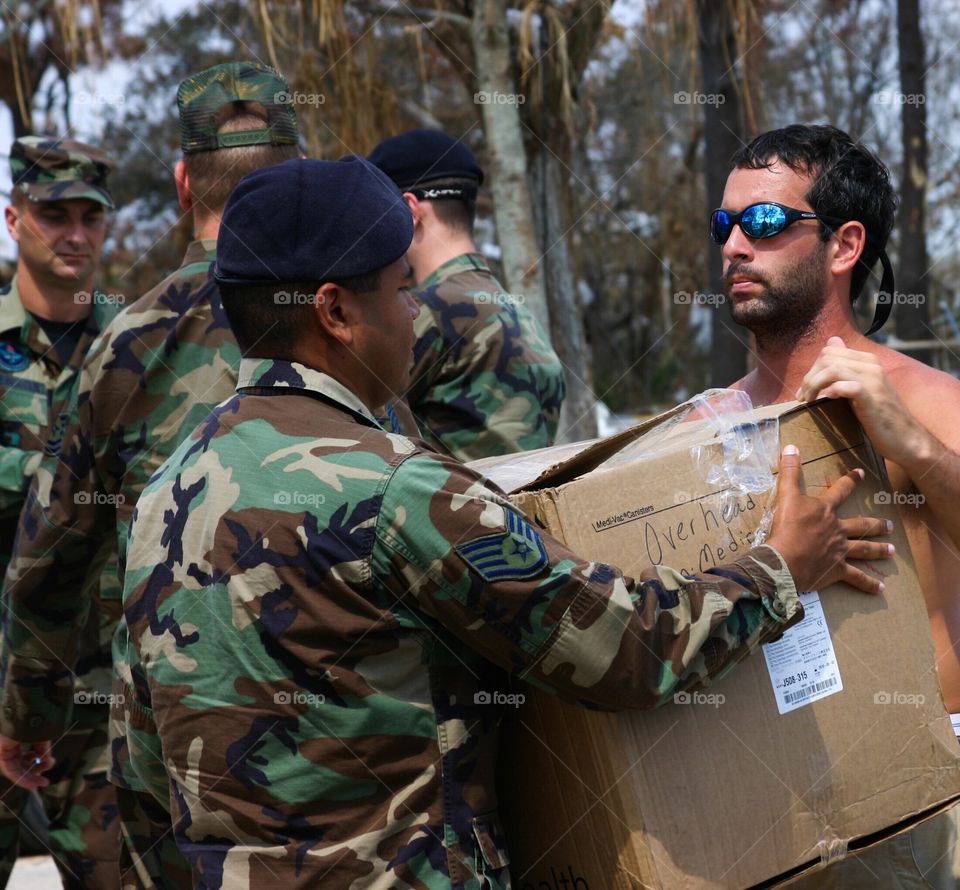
column 154, row 373
column 149, row 379
column 327, row 615
column 37, row 387
column 485, row 379
column 35, row 390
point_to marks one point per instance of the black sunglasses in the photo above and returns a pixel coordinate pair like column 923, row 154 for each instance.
column 763, row 220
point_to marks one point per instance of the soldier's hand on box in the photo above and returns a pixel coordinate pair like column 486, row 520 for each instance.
column 24, row 763
column 815, row 543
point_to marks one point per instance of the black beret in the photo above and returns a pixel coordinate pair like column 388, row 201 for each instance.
column 420, row 156
column 306, row 220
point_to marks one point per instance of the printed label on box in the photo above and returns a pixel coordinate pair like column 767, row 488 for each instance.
column 802, row 664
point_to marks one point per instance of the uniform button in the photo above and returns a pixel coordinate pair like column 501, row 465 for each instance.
column 36, row 720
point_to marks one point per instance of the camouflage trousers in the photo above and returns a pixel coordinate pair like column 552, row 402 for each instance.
column 149, row 857
column 80, row 802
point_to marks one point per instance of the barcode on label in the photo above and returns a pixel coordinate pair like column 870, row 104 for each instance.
column 807, row 691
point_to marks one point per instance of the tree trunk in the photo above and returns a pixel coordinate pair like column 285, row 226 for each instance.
column 723, row 135
column 512, row 207
column 578, row 418
column 912, row 313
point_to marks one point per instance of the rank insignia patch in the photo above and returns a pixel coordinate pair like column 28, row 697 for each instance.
column 514, row 554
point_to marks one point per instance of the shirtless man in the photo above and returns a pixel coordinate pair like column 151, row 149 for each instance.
column 792, row 280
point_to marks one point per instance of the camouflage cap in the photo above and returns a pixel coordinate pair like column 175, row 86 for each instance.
column 202, row 95
column 47, row 169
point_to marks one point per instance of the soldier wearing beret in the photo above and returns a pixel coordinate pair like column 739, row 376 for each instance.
column 485, row 378
column 50, row 314
column 317, row 607
column 153, row 374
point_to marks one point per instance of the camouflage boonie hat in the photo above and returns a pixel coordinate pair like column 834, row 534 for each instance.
column 202, row 95
column 48, row 169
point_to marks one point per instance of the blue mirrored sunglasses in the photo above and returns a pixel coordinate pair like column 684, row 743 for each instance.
column 762, row 220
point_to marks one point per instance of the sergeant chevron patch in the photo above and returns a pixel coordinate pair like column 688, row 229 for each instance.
column 514, row 554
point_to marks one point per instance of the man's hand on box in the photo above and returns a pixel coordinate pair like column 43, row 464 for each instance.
column 24, row 763
column 815, row 543
column 842, row 373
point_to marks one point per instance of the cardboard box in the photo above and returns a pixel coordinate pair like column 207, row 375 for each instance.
column 722, row 790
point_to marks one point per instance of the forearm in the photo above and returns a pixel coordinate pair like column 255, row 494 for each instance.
column 46, row 598
column 934, row 468
column 678, row 631
column 17, row 466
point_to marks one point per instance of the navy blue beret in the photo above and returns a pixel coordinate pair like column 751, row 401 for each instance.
column 314, row 221
column 419, row 156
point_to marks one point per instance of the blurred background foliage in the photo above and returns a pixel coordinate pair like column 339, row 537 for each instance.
column 624, row 138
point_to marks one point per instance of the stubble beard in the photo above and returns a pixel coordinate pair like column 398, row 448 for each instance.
column 786, row 312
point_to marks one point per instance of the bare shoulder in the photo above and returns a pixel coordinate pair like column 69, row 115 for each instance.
column 932, row 396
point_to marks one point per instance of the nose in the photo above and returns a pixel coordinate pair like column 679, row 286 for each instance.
column 76, row 232
column 737, row 246
column 413, row 305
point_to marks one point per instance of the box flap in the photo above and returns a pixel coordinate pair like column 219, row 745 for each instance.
column 552, row 467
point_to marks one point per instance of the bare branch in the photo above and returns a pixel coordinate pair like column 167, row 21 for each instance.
column 419, row 114
column 426, row 17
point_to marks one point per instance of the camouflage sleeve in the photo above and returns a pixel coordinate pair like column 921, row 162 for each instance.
column 583, row 630
column 485, row 378
column 47, row 591
column 16, row 468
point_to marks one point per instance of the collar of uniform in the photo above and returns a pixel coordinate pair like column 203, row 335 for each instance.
column 12, row 314
column 463, row 263
column 200, row 252
column 267, row 373
column 102, row 314
column 13, row 317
